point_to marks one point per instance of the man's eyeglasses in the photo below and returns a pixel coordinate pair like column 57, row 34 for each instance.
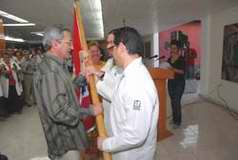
column 111, row 47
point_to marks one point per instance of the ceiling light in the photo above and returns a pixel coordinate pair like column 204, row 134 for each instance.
column 19, row 24
column 1, row 36
column 7, row 38
column 12, row 17
column 38, row 33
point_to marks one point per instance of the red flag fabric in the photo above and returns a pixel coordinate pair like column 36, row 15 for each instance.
column 83, row 92
column 76, row 45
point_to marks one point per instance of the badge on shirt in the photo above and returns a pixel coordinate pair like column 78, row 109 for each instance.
column 137, row 105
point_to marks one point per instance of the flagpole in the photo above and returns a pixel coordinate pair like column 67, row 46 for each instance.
column 93, row 92
column 2, row 38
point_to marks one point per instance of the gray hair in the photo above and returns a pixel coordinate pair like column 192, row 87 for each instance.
column 51, row 34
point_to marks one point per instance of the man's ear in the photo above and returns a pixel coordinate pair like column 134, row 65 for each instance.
column 54, row 44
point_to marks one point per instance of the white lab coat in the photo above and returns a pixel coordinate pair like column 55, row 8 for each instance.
column 1, row 88
column 134, row 115
column 105, row 88
column 5, row 81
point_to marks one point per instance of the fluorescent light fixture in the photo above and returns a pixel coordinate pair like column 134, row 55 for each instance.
column 1, row 36
column 38, row 33
column 19, row 24
column 12, row 17
column 98, row 5
column 7, row 38
column 96, row 10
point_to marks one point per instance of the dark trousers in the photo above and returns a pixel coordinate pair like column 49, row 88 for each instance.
column 176, row 89
column 3, row 110
column 14, row 102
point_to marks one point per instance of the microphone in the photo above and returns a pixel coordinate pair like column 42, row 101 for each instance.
column 152, row 57
column 161, row 57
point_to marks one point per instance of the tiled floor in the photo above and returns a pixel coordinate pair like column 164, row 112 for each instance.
column 21, row 136
column 207, row 133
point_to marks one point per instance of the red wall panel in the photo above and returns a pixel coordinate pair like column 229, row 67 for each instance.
column 192, row 30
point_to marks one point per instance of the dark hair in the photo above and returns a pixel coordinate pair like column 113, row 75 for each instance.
column 131, row 38
column 175, row 42
column 112, row 31
column 3, row 157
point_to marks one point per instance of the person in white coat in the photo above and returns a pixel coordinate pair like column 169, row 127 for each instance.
column 134, row 106
column 108, row 76
column 11, row 84
column 3, row 111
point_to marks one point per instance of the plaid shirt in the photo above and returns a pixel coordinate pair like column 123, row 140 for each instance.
column 59, row 111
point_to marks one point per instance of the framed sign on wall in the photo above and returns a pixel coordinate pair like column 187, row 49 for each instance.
column 230, row 53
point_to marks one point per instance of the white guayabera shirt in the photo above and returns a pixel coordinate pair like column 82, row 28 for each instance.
column 133, row 115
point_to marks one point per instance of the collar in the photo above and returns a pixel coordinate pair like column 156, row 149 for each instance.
column 54, row 58
column 131, row 67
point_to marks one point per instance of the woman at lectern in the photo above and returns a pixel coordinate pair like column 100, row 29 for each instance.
column 176, row 85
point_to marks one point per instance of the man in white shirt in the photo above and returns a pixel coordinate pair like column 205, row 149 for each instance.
column 111, row 74
column 134, row 105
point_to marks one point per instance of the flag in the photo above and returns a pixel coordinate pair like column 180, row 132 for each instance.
column 82, row 92
column 76, row 45
column 93, row 93
column 2, row 38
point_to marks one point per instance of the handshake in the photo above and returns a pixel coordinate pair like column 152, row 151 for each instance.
column 91, row 70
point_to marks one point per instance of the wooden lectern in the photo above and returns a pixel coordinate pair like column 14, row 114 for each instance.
column 160, row 76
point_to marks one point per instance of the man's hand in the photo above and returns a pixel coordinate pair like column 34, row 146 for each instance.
column 89, row 70
column 99, row 142
column 97, row 109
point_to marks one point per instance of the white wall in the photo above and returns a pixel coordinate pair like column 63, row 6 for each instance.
column 211, row 63
column 154, row 40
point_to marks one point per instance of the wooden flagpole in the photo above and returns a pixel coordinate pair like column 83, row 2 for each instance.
column 95, row 99
column 2, row 39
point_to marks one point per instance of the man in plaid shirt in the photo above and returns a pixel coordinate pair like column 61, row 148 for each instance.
column 59, row 111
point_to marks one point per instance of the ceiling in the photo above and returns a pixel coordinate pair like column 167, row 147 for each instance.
column 40, row 12
column 147, row 16
column 49, row 12
column 150, row 16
